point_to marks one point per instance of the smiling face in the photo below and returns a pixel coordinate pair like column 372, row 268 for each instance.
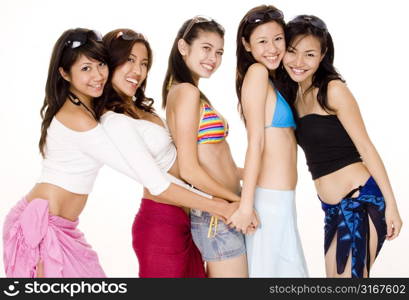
column 87, row 77
column 129, row 76
column 267, row 44
column 204, row 55
column 303, row 58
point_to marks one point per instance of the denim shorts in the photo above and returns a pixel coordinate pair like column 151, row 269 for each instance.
column 226, row 243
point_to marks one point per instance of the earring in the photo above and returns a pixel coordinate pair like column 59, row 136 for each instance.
column 133, row 98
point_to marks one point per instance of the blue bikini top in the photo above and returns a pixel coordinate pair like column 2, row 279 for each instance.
column 283, row 116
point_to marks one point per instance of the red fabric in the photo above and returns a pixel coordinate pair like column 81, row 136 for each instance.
column 163, row 242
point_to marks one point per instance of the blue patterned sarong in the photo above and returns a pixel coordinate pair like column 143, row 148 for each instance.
column 349, row 219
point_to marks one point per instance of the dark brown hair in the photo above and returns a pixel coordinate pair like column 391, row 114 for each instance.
column 119, row 45
column 64, row 56
column 177, row 70
column 244, row 58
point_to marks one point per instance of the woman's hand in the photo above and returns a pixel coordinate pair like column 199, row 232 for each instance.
column 393, row 222
column 254, row 223
column 243, row 221
column 228, row 210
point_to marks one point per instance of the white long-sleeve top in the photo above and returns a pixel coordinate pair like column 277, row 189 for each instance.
column 138, row 148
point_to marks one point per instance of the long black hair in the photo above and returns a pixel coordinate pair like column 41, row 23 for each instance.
column 308, row 25
column 64, row 55
column 177, row 69
column 247, row 25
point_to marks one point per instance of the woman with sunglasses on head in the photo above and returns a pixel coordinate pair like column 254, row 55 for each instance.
column 270, row 173
column 40, row 233
column 161, row 231
column 199, row 132
column 349, row 176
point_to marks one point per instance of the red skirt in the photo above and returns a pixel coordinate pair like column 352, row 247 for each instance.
column 163, row 242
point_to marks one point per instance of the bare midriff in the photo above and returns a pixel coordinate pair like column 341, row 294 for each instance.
column 278, row 167
column 333, row 187
column 61, row 202
column 217, row 161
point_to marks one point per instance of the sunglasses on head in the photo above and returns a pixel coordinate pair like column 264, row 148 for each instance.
column 128, row 36
column 258, row 17
column 77, row 39
column 314, row 21
column 197, row 20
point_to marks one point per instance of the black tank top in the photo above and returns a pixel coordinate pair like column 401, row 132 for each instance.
column 326, row 144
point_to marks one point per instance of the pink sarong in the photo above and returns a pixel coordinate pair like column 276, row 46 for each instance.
column 31, row 235
column 163, row 242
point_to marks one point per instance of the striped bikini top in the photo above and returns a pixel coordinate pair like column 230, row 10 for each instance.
column 213, row 128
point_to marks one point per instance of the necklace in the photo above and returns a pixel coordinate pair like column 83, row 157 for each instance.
column 76, row 101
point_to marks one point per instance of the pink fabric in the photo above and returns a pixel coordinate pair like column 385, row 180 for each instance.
column 163, row 242
column 31, row 234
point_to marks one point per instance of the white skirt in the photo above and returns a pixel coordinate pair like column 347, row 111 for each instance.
column 274, row 249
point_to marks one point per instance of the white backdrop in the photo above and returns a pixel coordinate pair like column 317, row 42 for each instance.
column 371, row 43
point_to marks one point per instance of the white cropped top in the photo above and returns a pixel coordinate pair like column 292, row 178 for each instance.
column 140, row 149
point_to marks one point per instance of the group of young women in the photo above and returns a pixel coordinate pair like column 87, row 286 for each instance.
column 193, row 207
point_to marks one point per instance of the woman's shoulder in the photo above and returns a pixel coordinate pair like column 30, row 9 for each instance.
column 257, row 76
column 76, row 119
column 336, row 86
column 256, row 80
column 185, row 88
column 257, row 69
column 339, row 94
column 184, row 93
